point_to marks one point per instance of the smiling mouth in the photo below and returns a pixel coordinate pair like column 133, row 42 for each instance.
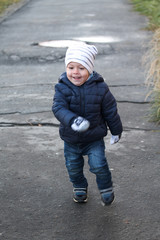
column 76, row 78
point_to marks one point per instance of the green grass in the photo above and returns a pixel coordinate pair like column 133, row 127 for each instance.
column 155, row 113
column 151, row 9
column 4, row 4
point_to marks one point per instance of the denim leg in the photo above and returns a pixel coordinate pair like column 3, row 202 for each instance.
column 98, row 164
column 74, row 165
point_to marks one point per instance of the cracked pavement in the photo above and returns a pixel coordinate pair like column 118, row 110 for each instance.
column 35, row 193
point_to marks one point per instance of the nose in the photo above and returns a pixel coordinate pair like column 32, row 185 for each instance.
column 76, row 71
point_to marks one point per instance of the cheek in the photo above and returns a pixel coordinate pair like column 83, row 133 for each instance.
column 68, row 73
column 86, row 76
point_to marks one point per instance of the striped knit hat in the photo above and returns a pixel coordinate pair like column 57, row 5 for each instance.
column 83, row 54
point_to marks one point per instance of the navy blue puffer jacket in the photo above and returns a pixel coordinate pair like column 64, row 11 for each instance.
column 93, row 101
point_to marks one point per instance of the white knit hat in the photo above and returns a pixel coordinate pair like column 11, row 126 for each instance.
column 83, row 54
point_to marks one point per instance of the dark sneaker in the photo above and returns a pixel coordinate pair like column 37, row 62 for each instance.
column 80, row 195
column 107, row 196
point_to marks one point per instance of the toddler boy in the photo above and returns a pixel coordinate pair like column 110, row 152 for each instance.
column 85, row 107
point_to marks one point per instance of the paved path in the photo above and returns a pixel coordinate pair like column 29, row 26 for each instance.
column 35, row 193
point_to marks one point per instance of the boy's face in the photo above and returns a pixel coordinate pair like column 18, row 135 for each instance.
column 76, row 73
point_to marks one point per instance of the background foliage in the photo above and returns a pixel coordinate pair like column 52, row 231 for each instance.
column 5, row 3
column 151, row 8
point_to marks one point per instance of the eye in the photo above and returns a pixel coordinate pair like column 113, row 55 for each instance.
column 70, row 68
column 81, row 68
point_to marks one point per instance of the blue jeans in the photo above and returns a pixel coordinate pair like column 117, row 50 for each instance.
column 96, row 159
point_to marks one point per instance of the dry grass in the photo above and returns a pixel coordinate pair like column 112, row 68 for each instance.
column 4, row 4
column 151, row 9
column 153, row 75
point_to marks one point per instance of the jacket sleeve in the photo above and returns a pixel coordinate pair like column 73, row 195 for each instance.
column 60, row 107
column 110, row 113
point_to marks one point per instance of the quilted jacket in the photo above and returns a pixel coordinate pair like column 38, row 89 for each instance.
column 93, row 101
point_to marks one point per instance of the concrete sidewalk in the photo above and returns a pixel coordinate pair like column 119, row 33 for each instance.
column 35, row 193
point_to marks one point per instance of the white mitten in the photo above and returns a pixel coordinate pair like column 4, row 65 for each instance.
column 80, row 124
column 114, row 139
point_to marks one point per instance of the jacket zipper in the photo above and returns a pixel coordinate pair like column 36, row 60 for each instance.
column 82, row 101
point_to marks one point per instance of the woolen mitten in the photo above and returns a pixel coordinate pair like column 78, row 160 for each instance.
column 115, row 139
column 80, row 124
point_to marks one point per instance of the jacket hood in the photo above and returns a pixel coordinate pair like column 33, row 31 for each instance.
column 96, row 77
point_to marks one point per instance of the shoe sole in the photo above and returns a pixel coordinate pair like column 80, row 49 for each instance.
column 80, row 201
column 107, row 204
